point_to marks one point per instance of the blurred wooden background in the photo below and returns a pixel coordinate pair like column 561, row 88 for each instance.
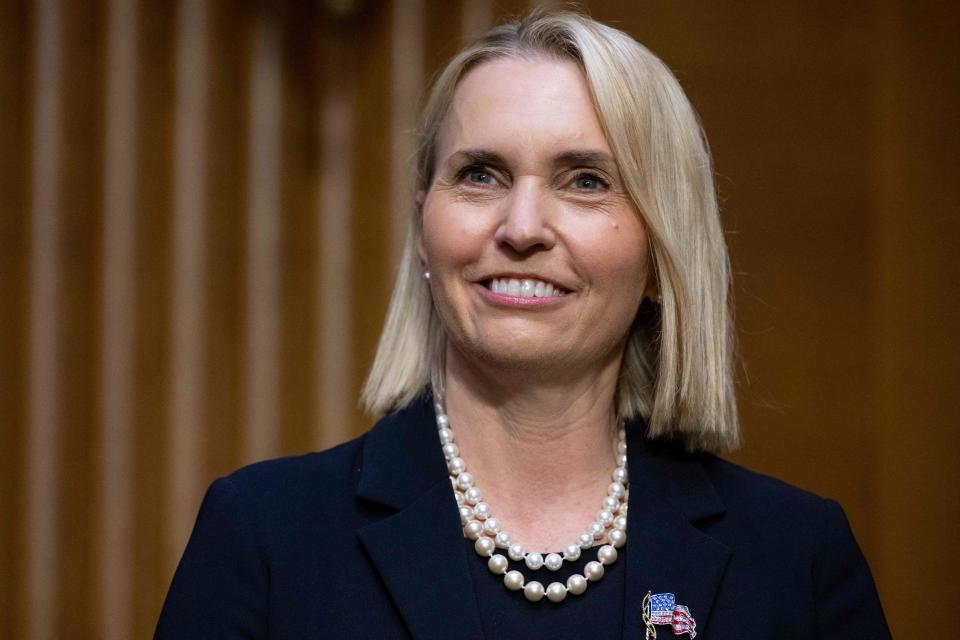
column 199, row 212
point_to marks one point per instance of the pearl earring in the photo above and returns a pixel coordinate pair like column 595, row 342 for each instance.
column 426, row 275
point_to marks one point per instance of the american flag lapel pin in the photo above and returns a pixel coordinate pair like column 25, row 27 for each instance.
column 662, row 608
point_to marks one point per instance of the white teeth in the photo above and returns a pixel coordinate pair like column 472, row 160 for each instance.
column 526, row 288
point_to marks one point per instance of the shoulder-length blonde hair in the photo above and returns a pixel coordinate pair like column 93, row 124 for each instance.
column 677, row 368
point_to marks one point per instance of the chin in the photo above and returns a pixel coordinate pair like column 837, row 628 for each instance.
column 526, row 357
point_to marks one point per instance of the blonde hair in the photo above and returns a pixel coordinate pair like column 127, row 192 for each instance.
column 677, row 368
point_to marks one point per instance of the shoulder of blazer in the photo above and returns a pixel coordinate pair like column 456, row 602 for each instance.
column 766, row 516
column 304, row 475
column 749, row 493
column 754, row 504
column 283, row 500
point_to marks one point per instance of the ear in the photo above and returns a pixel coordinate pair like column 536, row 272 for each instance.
column 421, row 251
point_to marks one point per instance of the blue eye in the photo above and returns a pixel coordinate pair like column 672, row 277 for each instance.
column 589, row 182
column 478, row 175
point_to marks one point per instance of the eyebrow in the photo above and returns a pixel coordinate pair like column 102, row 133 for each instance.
column 572, row 157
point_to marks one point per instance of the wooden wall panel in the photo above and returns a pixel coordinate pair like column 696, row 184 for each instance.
column 79, row 317
column 15, row 58
column 369, row 286
column 225, row 250
column 299, row 244
column 153, row 332
column 15, row 48
column 918, row 198
column 268, row 144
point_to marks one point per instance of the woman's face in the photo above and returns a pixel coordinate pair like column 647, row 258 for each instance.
column 537, row 256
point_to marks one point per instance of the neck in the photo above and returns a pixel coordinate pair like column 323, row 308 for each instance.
column 541, row 447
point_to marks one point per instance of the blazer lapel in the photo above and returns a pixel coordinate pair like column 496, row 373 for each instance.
column 666, row 553
column 419, row 550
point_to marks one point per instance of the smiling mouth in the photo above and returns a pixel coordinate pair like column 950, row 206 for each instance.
column 524, row 288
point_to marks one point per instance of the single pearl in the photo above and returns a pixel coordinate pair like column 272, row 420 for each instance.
column 516, row 552
column 442, row 421
column 616, row 537
column 513, row 580
column 466, row 513
column 620, row 475
column 472, row 495
column 621, row 447
column 450, row 450
column 585, row 540
column 465, row 480
column 576, row 584
column 604, row 517
column 473, row 529
column 607, row 554
column 498, row 563
column 458, row 497
column 456, row 466
column 556, row 592
column 553, row 562
column 610, row 503
column 503, row 539
column 593, row 571
column 438, row 408
column 571, row 553
column 623, row 509
column 533, row 591
column 445, row 436
column 596, row 530
column 484, row 546
column 482, row 509
column 620, row 523
column 621, row 459
column 616, row 489
column 491, row 527
column 622, row 434
column 534, row 561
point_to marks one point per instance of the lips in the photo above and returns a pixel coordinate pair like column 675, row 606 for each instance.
column 524, row 287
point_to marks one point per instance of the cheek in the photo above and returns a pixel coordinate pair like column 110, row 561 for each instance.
column 437, row 240
column 452, row 235
column 618, row 260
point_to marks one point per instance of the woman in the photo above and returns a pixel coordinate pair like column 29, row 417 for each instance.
column 556, row 373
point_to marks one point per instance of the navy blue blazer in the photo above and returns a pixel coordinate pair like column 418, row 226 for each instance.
column 364, row 541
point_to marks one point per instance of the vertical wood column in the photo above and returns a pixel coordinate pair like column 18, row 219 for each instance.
column 918, row 197
column 15, row 134
column 406, row 80
column 188, row 366
column 41, row 466
column 119, row 301
column 335, row 293
column 264, row 162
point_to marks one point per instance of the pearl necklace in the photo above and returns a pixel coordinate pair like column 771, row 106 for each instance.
column 479, row 524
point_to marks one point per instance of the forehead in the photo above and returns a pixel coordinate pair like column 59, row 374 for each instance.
column 522, row 105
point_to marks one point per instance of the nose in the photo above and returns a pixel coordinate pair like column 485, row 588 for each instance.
column 525, row 225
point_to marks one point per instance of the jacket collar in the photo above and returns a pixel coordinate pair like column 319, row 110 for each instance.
column 419, row 549
column 402, row 458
